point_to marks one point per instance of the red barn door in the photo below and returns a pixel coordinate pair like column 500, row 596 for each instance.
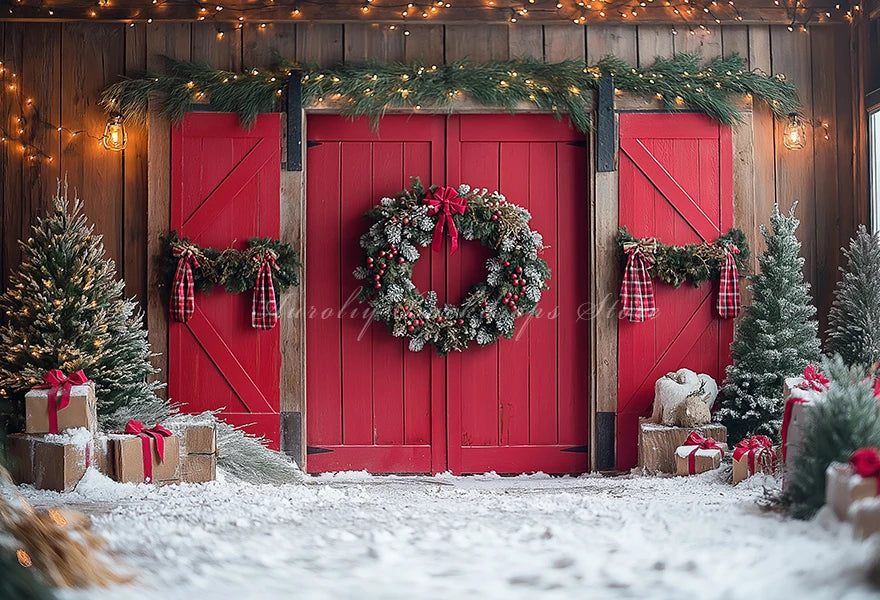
column 515, row 406
column 676, row 185
column 226, row 189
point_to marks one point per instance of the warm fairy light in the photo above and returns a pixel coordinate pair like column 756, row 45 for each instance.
column 24, row 558
column 220, row 34
column 115, row 137
column 794, row 135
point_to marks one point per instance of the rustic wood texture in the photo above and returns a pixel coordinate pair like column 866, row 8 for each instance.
column 657, row 444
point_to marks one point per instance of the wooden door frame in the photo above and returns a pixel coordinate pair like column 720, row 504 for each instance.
column 604, row 272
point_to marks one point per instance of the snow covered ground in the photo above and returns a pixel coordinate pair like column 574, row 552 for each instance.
column 354, row 536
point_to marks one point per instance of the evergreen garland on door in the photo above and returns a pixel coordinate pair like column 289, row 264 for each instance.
column 776, row 337
column 65, row 310
column 715, row 88
column 854, row 320
column 417, row 218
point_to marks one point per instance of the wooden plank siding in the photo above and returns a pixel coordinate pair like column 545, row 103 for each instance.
column 63, row 66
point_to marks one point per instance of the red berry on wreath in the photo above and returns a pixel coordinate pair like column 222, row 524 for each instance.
column 406, row 221
column 439, row 319
column 494, row 217
column 515, row 297
column 506, row 263
column 485, row 303
column 400, row 260
column 381, row 253
column 377, row 285
column 409, row 315
column 519, row 269
column 376, row 277
column 410, row 328
column 460, row 321
column 508, row 295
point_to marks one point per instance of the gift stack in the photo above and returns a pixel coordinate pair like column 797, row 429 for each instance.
column 697, row 455
column 198, row 451
column 852, row 491
column 753, row 455
column 800, row 394
column 61, row 441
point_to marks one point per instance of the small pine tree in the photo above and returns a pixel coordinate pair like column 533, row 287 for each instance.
column 775, row 339
column 65, row 309
column 845, row 421
column 854, row 320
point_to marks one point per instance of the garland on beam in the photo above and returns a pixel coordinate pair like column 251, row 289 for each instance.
column 370, row 89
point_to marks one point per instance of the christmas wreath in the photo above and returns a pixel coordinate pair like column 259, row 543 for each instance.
column 267, row 266
column 645, row 258
column 416, row 218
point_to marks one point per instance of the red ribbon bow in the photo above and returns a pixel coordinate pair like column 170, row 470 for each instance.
column 53, row 381
column 701, row 443
column 157, row 433
column 183, row 299
column 755, row 446
column 814, row 380
column 866, row 462
column 445, row 200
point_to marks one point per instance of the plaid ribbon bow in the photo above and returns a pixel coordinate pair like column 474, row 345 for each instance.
column 446, row 201
column 637, row 292
column 183, row 295
column 728, row 293
column 264, row 310
column 157, row 433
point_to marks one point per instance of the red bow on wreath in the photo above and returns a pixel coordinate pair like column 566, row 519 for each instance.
column 264, row 310
column 728, row 291
column 183, row 298
column 53, row 381
column 157, row 433
column 637, row 292
column 446, row 201
column 866, row 462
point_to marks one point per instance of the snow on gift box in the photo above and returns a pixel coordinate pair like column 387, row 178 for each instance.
column 61, row 402
column 52, row 461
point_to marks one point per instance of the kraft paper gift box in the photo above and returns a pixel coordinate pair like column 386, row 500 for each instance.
column 80, row 412
column 198, row 468
column 127, row 459
column 53, row 461
column 697, row 455
column 865, row 517
column 198, row 450
column 752, row 456
column 800, row 395
column 843, row 487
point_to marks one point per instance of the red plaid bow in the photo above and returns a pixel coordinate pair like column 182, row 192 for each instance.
column 183, row 296
column 637, row 292
column 157, row 433
column 446, row 201
column 728, row 291
column 53, row 381
column 866, row 462
column 755, row 447
column 264, row 310
column 814, row 380
column 701, row 443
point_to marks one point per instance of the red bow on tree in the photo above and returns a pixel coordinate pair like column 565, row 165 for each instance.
column 701, row 443
column 446, row 201
column 814, row 380
column 754, row 446
column 728, row 291
column 183, row 295
column 264, row 309
column 866, row 462
column 53, row 381
column 157, row 433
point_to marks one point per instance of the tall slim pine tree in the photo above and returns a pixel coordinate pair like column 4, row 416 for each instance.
column 854, row 320
column 65, row 310
column 775, row 339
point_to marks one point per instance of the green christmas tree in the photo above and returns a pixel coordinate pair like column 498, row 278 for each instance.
column 775, row 339
column 65, row 310
column 844, row 422
column 854, row 320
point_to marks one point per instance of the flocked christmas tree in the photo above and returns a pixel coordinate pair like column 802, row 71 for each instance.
column 65, row 310
column 775, row 339
column 854, row 320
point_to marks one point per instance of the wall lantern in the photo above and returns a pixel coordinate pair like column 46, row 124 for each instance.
column 115, row 138
column 795, row 133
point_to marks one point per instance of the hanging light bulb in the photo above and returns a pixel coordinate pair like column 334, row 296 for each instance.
column 795, row 133
column 115, row 138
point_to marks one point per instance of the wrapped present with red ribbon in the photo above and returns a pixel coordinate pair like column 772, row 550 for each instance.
column 799, row 392
column 698, row 455
column 848, row 483
column 61, row 402
column 753, row 455
column 145, row 455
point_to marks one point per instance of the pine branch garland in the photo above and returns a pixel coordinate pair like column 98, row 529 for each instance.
column 372, row 88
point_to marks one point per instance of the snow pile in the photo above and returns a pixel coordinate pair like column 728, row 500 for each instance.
column 353, row 535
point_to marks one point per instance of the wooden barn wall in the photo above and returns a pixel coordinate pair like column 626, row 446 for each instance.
column 63, row 66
